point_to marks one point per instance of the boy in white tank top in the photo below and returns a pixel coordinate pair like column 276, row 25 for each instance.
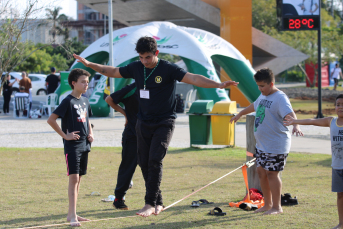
column 336, row 136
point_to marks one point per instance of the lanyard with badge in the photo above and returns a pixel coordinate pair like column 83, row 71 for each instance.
column 144, row 94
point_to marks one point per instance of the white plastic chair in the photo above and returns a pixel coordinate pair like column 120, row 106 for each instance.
column 50, row 102
column 190, row 98
column 63, row 96
column 21, row 103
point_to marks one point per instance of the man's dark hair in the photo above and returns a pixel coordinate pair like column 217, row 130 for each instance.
column 75, row 74
column 340, row 96
column 264, row 74
column 146, row 44
column 53, row 69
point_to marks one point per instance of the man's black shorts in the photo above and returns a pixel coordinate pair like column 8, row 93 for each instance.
column 77, row 163
column 336, row 80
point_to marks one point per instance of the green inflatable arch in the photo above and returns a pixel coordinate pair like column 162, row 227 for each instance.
column 197, row 48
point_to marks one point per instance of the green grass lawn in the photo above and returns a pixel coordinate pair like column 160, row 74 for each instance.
column 312, row 105
column 307, row 105
column 34, row 190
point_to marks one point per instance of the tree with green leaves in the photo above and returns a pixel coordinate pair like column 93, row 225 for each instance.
column 66, row 50
column 19, row 55
column 13, row 52
column 40, row 61
column 55, row 16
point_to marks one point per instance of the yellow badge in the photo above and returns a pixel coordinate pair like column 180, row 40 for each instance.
column 158, row 79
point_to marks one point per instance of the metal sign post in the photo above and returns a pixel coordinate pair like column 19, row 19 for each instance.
column 110, row 63
column 320, row 114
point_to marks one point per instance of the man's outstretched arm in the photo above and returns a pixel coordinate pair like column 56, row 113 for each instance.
column 108, row 71
column 202, row 81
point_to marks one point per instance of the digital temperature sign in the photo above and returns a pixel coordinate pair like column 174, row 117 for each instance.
column 298, row 14
column 301, row 23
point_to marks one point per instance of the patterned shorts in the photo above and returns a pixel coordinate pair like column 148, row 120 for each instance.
column 270, row 161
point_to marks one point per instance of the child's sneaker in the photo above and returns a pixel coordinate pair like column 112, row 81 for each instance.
column 120, row 204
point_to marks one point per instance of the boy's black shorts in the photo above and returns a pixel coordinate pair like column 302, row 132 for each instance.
column 77, row 162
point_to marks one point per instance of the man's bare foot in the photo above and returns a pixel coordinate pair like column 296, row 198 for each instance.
column 263, row 209
column 79, row 218
column 339, row 226
column 273, row 211
column 75, row 223
column 146, row 211
column 158, row 209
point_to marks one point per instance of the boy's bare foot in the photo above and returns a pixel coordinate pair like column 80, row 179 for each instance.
column 273, row 211
column 158, row 209
column 79, row 218
column 146, row 211
column 339, row 226
column 263, row 209
column 75, row 223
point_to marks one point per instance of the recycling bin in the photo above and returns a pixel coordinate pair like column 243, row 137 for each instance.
column 223, row 132
column 200, row 122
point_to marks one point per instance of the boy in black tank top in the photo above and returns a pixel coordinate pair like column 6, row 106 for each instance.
column 336, row 136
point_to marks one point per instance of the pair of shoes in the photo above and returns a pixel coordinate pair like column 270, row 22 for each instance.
column 120, row 204
column 287, row 200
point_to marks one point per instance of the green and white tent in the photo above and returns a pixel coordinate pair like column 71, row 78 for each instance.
column 197, row 48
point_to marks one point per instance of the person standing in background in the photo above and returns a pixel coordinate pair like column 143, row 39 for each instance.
column 335, row 75
column 25, row 82
column 7, row 92
column 51, row 82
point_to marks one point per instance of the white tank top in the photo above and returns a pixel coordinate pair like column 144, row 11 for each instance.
column 336, row 135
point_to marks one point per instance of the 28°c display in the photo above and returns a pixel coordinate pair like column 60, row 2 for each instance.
column 301, row 23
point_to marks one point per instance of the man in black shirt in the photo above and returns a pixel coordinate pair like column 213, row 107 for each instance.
column 156, row 82
column 51, row 81
column 128, row 164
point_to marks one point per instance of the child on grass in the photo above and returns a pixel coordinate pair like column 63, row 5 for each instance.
column 336, row 135
column 273, row 140
column 77, row 136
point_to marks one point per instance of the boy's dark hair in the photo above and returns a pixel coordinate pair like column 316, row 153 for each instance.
column 340, row 96
column 146, row 44
column 264, row 74
column 75, row 74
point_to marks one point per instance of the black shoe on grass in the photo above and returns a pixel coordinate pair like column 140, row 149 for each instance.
column 287, row 200
column 120, row 204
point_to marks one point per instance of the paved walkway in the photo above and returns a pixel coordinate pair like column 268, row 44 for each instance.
column 107, row 132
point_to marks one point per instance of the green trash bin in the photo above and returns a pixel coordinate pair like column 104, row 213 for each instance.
column 200, row 122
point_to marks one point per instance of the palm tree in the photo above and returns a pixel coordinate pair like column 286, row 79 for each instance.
column 55, row 17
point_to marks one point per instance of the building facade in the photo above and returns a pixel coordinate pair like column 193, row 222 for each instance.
column 90, row 24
